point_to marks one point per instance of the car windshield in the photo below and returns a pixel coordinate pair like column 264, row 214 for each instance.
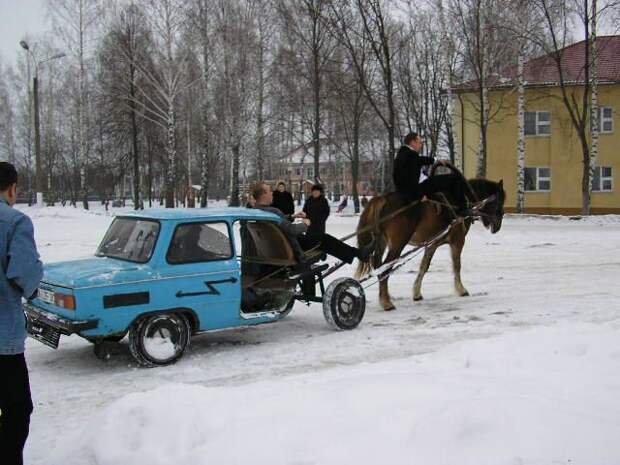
column 130, row 239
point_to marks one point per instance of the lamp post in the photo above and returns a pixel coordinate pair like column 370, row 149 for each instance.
column 39, row 181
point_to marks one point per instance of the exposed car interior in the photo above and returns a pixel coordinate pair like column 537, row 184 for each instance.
column 265, row 254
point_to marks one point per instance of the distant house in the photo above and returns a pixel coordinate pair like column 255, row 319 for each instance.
column 553, row 156
column 296, row 169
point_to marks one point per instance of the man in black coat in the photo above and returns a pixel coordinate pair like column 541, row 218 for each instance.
column 283, row 200
column 407, row 166
column 316, row 209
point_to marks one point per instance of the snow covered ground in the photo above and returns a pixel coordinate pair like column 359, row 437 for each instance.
column 524, row 371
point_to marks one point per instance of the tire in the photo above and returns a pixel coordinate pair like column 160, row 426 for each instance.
column 288, row 309
column 158, row 340
column 344, row 304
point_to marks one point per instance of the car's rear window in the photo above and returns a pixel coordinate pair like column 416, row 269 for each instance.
column 130, row 239
column 200, row 242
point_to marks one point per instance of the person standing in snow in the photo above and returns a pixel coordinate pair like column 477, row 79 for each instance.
column 316, row 209
column 283, row 200
column 343, row 204
column 20, row 274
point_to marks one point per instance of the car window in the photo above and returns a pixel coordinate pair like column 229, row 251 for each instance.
column 130, row 239
column 200, row 242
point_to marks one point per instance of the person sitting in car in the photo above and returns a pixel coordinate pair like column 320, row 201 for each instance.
column 297, row 232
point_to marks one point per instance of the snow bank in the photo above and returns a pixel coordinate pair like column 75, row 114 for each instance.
column 525, row 397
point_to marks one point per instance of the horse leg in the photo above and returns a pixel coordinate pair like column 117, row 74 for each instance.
column 426, row 262
column 456, row 247
column 384, row 294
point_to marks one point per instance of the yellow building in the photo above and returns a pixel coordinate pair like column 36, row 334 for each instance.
column 553, row 153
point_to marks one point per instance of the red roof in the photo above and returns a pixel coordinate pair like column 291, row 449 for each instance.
column 543, row 71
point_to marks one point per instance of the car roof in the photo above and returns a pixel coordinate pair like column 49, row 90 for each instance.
column 201, row 213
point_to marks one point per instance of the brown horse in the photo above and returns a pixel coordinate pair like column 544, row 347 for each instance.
column 421, row 223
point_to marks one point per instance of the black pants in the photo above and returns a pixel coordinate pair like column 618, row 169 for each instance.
column 451, row 185
column 328, row 244
column 16, row 406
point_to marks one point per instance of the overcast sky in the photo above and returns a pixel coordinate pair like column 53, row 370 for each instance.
column 18, row 18
column 22, row 17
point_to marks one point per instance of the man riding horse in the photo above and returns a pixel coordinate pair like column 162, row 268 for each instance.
column 407, row 166
column 388, row 223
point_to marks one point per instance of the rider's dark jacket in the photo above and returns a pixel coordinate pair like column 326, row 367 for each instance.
column 407, row 166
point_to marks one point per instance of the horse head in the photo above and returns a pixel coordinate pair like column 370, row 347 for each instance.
column 492, row 213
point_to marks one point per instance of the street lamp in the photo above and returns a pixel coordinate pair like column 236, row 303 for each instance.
column 39, row 181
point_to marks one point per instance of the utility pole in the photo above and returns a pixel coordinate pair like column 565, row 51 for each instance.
column 39, row 179
column 40, row 185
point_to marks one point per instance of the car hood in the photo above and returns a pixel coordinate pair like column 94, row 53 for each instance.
column 96, row 271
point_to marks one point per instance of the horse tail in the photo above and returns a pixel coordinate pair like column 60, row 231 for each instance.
column 470, row 191
column 367, row 230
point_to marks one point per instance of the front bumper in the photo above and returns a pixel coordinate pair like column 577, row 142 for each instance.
column 47, row 327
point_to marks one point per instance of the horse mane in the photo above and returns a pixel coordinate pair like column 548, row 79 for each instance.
column 459, row 173
column 485, row 187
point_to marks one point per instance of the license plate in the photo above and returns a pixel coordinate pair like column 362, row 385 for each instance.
column 44, row 333
column 46, row 296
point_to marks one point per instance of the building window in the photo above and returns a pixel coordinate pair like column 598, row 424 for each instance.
column 605, row 120
column 538, row 179
column 603, row 179
column 310, row 173
column 298, row 171
column 537, row 123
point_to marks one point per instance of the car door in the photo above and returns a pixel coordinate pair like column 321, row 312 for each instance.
column 206, row 274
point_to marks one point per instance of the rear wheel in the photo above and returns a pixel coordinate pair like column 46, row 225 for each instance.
column 158, row 340
column 288, row 309
column 344, row 303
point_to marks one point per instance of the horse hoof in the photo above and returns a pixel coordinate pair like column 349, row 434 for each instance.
column 417, row 298
column 465, row 294
column 390, row 308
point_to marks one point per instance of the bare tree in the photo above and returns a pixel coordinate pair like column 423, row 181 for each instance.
column 484, row 53
column 350, row 107
column 237, row 39
column 423, row 77
column 575, row 91
column 369, row 19
column 124, row 46
column 7, row 119
column 76, row 21
column 312, row 48
column 203, row 25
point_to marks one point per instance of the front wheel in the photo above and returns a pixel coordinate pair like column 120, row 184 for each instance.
column 158, row 340
column 344, row 303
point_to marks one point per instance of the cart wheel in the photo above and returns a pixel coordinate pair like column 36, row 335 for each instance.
column 160, row 339
column 344, row 303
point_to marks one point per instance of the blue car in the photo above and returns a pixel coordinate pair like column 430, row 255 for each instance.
column 161, row 276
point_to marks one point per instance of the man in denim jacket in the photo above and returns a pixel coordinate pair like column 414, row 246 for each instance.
column 20, row 273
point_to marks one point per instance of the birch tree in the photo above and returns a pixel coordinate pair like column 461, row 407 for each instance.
column 575, row 91
column 203, row 26
column 76, row 21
